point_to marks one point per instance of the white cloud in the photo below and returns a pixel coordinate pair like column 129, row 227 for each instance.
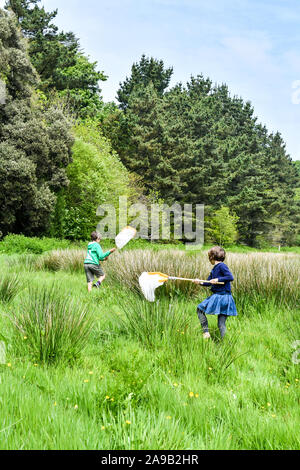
column 252, row 49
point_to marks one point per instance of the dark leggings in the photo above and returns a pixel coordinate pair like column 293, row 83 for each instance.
column 204, row 323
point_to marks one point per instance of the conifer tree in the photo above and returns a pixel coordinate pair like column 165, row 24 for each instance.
column 198, row 144
column 144, row 72
column 57, row 57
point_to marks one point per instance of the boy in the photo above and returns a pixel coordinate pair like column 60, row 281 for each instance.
column 92, row 265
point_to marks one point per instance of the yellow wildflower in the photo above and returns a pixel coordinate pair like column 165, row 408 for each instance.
column 191, row 394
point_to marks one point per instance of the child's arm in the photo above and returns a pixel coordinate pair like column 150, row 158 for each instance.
column 205, row 284
column 226, row 274
column 101, row 255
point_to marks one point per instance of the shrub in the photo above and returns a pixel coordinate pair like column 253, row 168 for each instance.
column 20, row 244
column 222, row 227
column 96, row 176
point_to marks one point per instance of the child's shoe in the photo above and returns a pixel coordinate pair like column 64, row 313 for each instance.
column 206, row 335
column 97, row 285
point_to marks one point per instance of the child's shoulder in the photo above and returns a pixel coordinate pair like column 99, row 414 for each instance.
column 93, row 243
column 222, row 265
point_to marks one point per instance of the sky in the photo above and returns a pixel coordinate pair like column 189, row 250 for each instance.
column 251, row 45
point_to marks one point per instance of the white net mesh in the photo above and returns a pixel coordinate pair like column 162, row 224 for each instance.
column 150, row 282
column 127, row 234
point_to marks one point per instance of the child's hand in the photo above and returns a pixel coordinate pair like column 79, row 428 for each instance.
column 214, row 281
column 197, row 281
column 113, row 250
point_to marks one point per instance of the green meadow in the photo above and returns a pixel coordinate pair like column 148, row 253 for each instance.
column 110, row 370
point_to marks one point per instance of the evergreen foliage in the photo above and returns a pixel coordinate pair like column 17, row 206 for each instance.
column 56, row 55
column 35, row 142
column 198, row 144
column 192, row 143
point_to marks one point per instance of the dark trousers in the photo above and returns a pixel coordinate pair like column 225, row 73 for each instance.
column 204, row 323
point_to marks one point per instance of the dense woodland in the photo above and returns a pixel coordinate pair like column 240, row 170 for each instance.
column 63, row 151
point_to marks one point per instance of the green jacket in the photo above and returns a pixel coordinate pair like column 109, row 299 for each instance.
column 95, row 254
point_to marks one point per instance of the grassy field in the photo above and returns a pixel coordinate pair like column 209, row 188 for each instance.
column 111, row 371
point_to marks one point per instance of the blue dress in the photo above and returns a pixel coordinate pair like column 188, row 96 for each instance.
column 221, row 300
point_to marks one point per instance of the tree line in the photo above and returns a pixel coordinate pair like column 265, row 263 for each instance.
column 190, row 143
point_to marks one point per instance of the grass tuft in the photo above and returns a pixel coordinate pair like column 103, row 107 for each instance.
column 51, row 327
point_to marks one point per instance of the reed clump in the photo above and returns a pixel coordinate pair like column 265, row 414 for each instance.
column 265, row 276
column 10, row 285
column 50, row 326
column 57, row 260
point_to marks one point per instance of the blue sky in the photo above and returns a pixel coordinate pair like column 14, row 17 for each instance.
column 252, row 45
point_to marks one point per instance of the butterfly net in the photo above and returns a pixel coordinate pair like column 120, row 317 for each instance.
column 149, row 282
column 127, row 234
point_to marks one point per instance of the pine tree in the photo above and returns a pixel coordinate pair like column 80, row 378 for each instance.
column 146, row 146
column 199, row 144
column 56, row 56
column 144, row 72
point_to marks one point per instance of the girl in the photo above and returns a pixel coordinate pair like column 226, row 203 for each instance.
column 221, row 302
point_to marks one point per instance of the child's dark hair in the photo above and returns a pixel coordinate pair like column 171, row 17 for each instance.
column 217, row 253
column 95, row 235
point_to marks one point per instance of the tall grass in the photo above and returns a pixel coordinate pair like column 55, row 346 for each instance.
column 70, row 260
column 18, row 263
column 10, row 285
column 51, row 327
column 262, row 276
column 154, row 323
column 172, row 330
column 171, row 391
